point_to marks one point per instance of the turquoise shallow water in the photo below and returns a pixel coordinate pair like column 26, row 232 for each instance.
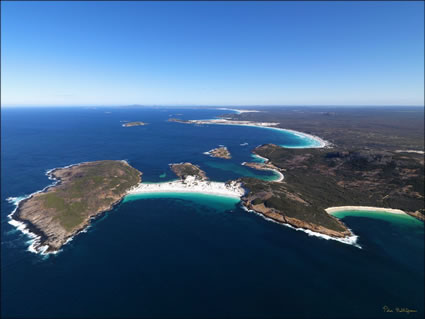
column 256, row 158
column 304, row 140
column 220, row 203
column 400, row 219
column 186, row 255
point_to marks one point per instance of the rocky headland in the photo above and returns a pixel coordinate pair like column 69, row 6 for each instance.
column 82, row 192
column 316, row 179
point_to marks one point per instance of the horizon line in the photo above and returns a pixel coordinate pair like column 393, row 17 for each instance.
column 215, row 105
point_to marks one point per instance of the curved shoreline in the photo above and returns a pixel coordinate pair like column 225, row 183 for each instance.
column 321, row 143
column 350, row 240
column 336, row 209
column 33, row 232
column 190, row 185
column 278, row 180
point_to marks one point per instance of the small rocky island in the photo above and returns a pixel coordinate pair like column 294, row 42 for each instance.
column 176, row 120
column 83, row 192
column 130, row 124
column 220, row 152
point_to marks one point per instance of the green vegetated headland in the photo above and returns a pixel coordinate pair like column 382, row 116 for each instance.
column 84, row 191
column 316, row 179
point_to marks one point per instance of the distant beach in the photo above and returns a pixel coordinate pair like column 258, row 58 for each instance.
column 239, row 111
column 318, row 142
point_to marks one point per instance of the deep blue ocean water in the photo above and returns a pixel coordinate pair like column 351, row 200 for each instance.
column 187, row 255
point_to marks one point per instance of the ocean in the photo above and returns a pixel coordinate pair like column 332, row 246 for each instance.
column 188, row 255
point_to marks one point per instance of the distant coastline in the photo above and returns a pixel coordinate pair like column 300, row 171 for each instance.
column 318, row 142
column 238, row 111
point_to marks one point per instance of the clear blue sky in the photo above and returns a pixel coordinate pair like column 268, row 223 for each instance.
column 212, row 53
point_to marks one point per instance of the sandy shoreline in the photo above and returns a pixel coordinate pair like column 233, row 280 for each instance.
column 410, row 151
column 279, row 179
column 332, row 210
column 191, row 185
column 270, row 125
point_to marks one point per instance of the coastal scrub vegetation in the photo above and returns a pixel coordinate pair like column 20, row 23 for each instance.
column 84, row 191
column 316, row 179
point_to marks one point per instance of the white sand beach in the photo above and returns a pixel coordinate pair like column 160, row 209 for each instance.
column 271, row 125
column 191, row 184
column 265, row 168
column 332, row 210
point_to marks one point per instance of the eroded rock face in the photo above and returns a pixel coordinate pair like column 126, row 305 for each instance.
column 84, row 191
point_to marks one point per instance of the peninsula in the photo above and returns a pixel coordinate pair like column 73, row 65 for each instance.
column 130, row 124
column 220, row 152
column 318, row 179
column 82, row 192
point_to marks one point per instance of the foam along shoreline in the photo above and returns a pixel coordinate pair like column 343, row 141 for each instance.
column 318, row 142
column 34, row 246
column 259, row 158
column 334, row 210
column 24, row 228
column 34, row 241
column 349, row 240
column 191, row 184
column 233, row 189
